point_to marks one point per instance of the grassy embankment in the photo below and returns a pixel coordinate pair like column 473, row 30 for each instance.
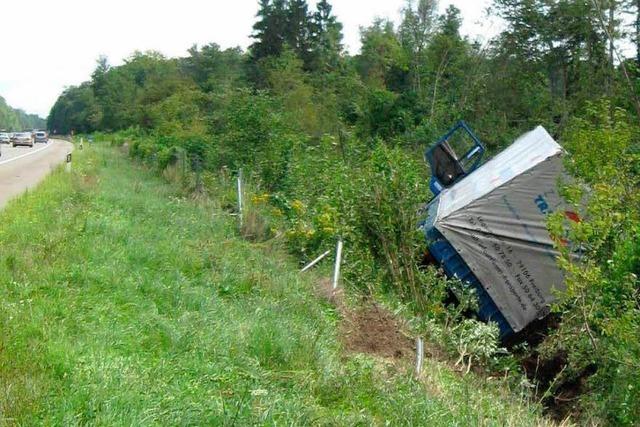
column 123, row 303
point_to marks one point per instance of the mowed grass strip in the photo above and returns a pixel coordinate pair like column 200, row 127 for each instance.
column 122, row 303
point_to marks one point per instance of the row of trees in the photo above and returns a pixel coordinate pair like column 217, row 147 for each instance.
column 336, row 141
column 405, row 84
column 314, row 37
column 15, row 119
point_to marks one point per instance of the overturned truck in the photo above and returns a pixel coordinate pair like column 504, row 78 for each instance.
column 486, row 225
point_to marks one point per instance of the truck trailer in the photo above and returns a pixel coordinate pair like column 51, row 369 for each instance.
column 487, row 224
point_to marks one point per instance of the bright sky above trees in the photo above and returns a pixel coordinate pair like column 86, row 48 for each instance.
column 56, row 43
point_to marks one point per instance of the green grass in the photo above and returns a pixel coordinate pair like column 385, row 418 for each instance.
column 122, row 303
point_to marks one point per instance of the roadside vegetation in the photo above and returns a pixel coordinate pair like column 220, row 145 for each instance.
column 125, row 301
column 331, row 146
column 16, row 119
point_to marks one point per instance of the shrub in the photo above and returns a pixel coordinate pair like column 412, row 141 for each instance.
column 390, row 191
column 250, row 132
column 601, row 307
column 475, row 340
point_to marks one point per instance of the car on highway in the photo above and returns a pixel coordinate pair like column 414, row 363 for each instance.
column 5, row 138
column 22, row 138
column 41, row 136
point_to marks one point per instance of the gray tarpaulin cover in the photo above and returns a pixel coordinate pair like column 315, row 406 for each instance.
column 496, row 220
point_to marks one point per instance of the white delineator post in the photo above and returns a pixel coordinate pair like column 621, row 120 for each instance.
column 419, row 355
column 315, row 261
column 336, row 270
column 240, row 196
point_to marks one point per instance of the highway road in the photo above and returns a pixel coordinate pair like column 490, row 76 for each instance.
column 23, row 168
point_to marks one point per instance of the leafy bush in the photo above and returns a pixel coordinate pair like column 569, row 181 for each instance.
column 601, row 307
column 324, row 188
column 390, row 191
column 250, row 131
column 476, row 340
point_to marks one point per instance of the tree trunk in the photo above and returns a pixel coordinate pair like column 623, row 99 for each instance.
column 638, row 32
column 612, row 29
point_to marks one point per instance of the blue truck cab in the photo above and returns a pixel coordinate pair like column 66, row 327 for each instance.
column 455, row 156
column 487, row 222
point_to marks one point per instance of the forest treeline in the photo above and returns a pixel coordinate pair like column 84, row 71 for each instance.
column 332, row 144
column 16, row 120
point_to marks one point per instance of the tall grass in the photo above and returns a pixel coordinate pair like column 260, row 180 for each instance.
column 124, row 303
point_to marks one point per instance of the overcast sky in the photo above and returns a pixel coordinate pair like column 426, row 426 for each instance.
column 50, row 44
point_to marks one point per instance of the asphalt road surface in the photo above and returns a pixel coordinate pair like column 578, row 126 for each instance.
column 22, row 168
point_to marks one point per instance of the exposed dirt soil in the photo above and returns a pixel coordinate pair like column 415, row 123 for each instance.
column 374, row 330
column 564, row 402
column 544, row 370
column 370, row 328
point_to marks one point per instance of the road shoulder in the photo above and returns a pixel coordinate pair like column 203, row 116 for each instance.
column 26, row 171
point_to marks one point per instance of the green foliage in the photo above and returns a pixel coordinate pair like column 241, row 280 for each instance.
column 288, row 83
column 475, row 340
column 382, row 61
column 181, row 113
column 601, row 307
column 13, row 119
column 314, row 37
column 331, row 146
column 213, row 69
column 123, row 303
column 76, row 110
column 390, row 189
column 119, row 97
column 251, row 131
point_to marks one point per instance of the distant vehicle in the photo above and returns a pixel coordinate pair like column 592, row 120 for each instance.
column 5, row 138
column 41, row 136
column 22, row 138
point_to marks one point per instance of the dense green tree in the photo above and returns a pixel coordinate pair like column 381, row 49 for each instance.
column 450, row 73
column 270, row 31
column 382, row 61
column 315, row 37
column 214, row 69
column 16, row 119
column 298, row 28
column 326, row 39
column 8, row 117
column 289, row 83
column 416, row 29
column 566, row 41
column 75, row 110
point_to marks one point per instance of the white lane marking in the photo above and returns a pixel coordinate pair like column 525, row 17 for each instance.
column 49, row 144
